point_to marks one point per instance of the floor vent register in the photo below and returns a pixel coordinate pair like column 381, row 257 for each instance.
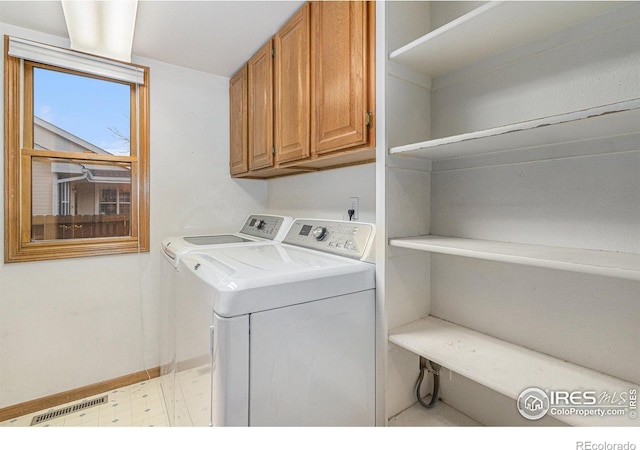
column 50, row 415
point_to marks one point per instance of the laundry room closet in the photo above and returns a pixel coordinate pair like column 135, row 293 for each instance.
column 511, row 204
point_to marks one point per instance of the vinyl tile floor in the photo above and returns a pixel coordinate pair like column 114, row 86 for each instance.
column 137, row 405
column 141, row 405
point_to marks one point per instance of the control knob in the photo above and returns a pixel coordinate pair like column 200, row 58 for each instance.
column 260, row 224
column 319, row 233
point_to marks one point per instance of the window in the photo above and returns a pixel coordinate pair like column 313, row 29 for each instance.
column 76, row 154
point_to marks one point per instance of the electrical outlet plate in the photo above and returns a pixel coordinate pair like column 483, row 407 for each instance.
column 354, row 204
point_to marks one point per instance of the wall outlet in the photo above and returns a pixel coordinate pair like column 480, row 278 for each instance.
column 353, row 205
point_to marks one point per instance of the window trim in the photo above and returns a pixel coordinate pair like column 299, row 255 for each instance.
column 17, row 194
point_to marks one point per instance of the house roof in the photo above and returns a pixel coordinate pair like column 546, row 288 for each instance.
column 74, row 171
column 86, row 146
column 92, row 173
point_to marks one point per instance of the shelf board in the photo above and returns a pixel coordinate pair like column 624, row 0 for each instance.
column 505, row 367
column 617, row 119
column 595, row 262
column 491, row 29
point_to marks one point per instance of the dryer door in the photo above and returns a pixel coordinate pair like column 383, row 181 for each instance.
column 313, row 364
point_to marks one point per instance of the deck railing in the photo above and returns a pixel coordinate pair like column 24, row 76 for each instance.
column 46, row 228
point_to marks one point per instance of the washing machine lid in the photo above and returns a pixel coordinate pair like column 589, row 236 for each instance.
column 175, row 247
column 248, row 279
column 256, row 228
column 216, row 239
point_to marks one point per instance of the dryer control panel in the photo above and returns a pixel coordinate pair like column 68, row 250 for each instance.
column 265, row 226
column 343, row 238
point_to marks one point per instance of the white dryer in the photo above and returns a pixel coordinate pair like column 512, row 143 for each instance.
column 257, row 229
column 282, row 334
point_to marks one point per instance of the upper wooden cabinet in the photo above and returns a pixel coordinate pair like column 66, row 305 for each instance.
column 340, row 58
column 293, row 88
column 239, row 155
column 260, row 82
column 311, row 93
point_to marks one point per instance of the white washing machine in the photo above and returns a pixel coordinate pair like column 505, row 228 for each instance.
column 257, row 229
column 282, row 334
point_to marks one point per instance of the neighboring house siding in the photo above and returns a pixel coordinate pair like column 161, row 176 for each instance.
column 42, row 196
column 86, row 195
column 42, row 185
column 47, row 140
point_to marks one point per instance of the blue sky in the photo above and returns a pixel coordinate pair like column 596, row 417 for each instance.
column 86, row 107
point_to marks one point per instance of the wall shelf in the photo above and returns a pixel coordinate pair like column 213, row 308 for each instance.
column 616, row 119
column 520, row 100
column 469, row 38
column 505, row 367
column 595, row 262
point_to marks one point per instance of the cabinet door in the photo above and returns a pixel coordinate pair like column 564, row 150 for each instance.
column 260, row 73
column 292, row 88
column 340, row 76
column 238, row 158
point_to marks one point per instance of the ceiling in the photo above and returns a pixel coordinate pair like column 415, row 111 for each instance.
column 208, row 35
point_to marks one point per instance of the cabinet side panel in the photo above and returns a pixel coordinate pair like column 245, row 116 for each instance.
column 406, row 201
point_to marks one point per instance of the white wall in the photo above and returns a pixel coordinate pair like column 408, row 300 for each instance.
column 70, row 323
column 325, row 194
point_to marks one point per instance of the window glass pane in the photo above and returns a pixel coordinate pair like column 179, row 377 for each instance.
column 72, row 200
column 80, row 114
